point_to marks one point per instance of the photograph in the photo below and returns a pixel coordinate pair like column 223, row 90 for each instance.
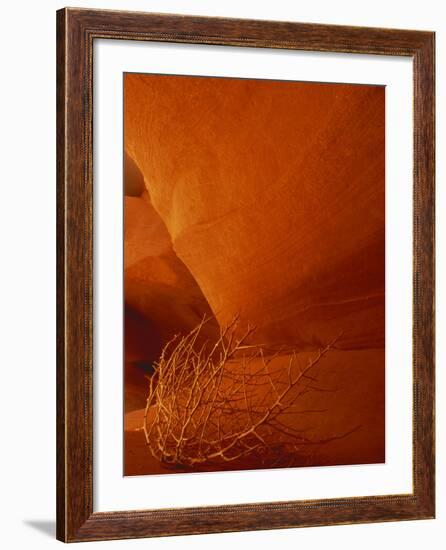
column 254, row 274
column 223, row 227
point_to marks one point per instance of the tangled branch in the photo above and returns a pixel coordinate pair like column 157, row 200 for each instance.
column 221, row 402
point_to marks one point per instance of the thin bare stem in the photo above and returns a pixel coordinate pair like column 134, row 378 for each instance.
column 222, row 402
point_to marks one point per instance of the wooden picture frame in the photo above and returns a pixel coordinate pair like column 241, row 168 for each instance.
column 76, row 31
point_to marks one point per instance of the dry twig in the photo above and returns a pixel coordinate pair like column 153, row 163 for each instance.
column 223, row 402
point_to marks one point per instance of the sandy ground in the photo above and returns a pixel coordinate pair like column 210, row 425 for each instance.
column 355, row 399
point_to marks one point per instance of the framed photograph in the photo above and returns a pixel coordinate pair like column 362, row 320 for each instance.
column 245, row 275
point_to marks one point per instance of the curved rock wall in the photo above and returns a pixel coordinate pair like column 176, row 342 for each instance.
column 272, row 195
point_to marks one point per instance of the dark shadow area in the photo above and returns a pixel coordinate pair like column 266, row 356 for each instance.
column 45, row 526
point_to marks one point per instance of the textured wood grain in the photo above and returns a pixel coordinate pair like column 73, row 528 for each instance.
column 76, row 30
